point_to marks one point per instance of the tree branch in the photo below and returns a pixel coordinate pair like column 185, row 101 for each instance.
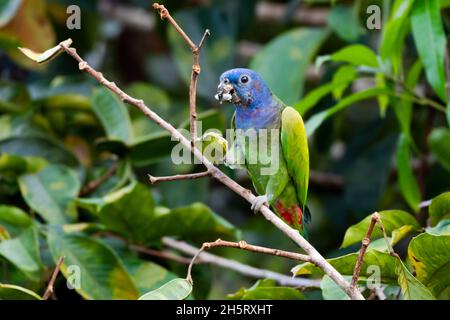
column 376, row 219
column 316, row 257
column 365, row 243
column 205, row 257
column 154, row 180
column 165, row 14
column 49, row 290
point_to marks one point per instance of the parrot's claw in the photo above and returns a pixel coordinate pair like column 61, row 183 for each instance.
column 259, row 202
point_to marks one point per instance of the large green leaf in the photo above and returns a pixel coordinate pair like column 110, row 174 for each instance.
column 13, row 292
column 403, row 107
column 129, row 211
column 176, row 289
column 101, row 273
column 146, row 275
column 266, row 290
column 430, row 257
column 288, row 54
column 14, row 97
column 113, row 115
column 394, row 33
column 412, row 289
column 196, row 221
column 439, row 143
column 349, row 30
column 439, row 208
column 392, row 220
column 346, row 264
column 331, row 291
column 51, row 192
column 442, row 228
column 23, row 252
column 430, row 40
column 8, row 9
column 316, row 120
column 356, row 54
column 406, row 178
column 14, row 220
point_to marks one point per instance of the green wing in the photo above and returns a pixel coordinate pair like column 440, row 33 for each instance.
column 294, row 144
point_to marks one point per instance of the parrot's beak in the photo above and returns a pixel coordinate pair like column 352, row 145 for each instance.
column 227, row 93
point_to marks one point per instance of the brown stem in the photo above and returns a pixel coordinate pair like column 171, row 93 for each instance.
column 160, row 254
column 364, row 244
column 245, row 246
column 237, row 266
column 154, row 180
column 95, row 184
column 165, row 14
column 49, row 290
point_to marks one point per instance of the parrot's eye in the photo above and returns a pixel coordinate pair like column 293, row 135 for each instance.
column 226, row 81
column 244, row 79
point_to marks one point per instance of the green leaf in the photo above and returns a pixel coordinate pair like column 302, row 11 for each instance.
column 316, row 120
column 392, row 220
column 430, row 257
column 51, row 192
column 383, row 100
column 176, row 289
column 406, row 178
column 290, row 53
column 442, row 228
column 8, row 9
column 23, row 252
column 266, row 290
column 394, row 33
column 412, row 289
column 341, row 79
column 439, row 143
column 439, row 208
column 346, row 264
column 403, row 107
column 448, row 114
column 13, row 292
column 14, row 97
column 101, row 273
column 146, row 275
column 196, row 221
column 129, row 211
column 113, row 115
column 357, row 55
column 331, row 291
column 14, row 219
column 349, row 30
column 430, row 40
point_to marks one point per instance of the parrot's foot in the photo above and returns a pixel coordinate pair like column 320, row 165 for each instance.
column 259, row 202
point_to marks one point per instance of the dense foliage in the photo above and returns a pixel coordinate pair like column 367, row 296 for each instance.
column 74, row 159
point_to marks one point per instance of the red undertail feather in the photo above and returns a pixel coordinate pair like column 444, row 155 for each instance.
column 288, row 214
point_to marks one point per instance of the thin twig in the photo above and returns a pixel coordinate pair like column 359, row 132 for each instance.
column 165, row 14
column 270, row 216
column 205, row 257
column 154, row 180
column 160, row 254
column 364, row 244
column 245, row 246
column 386, row 239
column 49, row 291
column 95, row 184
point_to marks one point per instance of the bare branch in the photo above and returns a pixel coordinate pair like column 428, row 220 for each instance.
column 205, row 257
column 49, row 290
column 362, row 251
column 154, row 180
column 160, row 254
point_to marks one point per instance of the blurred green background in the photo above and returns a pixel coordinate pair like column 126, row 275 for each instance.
column 56, row 119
